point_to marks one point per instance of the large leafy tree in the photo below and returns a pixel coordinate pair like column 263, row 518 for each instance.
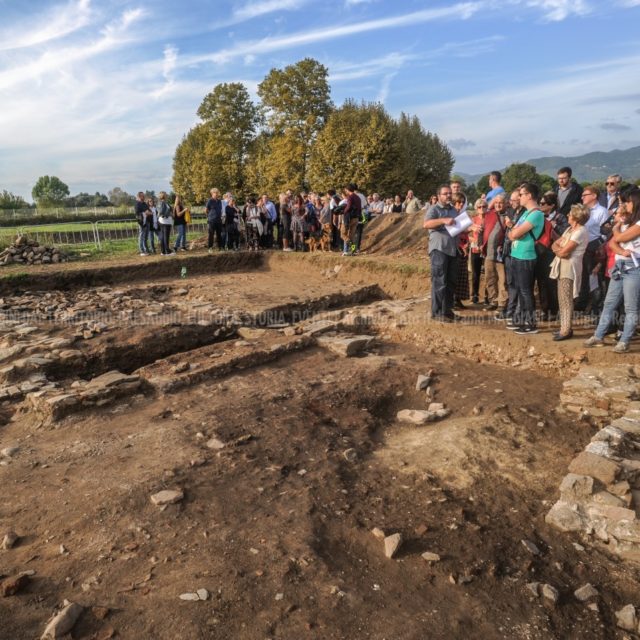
column 120, row 198
column 296, row 102
column 49, row 191
column 517, row 173
column 214, row 152
column 357, row 145
column 424, row 163
column 10, row 201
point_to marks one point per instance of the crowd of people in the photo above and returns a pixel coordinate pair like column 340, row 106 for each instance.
column 578, row 247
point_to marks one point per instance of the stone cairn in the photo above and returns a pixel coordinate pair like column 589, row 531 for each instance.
column 25, row 251
column 600, row 496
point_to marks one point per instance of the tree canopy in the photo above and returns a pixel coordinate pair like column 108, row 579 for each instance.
column 10, row 201
column 49, row 191
column 295, row 138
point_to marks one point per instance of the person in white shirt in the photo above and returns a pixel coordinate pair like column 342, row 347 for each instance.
column 598, row 215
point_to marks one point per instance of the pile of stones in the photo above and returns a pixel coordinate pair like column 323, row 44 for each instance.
column 25, row 251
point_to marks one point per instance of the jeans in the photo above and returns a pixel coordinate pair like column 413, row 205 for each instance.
column 626, row 287
column 512, row 302
column 444, row 273
column 181, row 236
column 143, row 237
column 165, row 234
column 523, row 273
column 547, row 287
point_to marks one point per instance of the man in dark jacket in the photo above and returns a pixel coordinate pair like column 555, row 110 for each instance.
column 568, row 192
column 350, row 217
column 214, row 219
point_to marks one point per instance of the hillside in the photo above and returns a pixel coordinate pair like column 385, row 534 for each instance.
column 596, row 165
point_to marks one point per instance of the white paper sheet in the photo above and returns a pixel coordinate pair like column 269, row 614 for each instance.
column 460, row 224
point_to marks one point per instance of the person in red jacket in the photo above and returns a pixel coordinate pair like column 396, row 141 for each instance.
column 492, row 242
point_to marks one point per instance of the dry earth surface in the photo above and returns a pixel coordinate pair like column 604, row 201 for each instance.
column 284, row 455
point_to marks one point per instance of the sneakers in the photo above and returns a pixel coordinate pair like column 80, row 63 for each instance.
column 144, row 254
column 511, row 325
column 491, row 307
column 501, row 315
column 526, row 330
column 594, row 342
column 621, row 347
column 209, row 250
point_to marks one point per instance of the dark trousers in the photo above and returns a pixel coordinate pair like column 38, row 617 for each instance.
column 523, row 273
column 513, row 302
column 215, row 228
column 232, row 237
column 444, row 273
column 476, row 268
column 359, row 230
column 165, row 234
column 588, row 264
column 547, row 287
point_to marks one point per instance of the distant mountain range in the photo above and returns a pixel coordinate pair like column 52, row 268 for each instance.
column 596, row 165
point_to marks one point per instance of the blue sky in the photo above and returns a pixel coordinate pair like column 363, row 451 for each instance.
column 100, row 92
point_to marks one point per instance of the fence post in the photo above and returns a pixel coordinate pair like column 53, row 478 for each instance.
column 96, row 236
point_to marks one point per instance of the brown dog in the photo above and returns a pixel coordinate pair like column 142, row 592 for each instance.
column 325, row 238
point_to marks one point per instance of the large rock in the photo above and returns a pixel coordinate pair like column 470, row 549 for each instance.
column 392, row 544
column 63, row 622
column 111, row 379
column 602, row 469
column 626, row 618
column 167, row 497
column 347, row 347
column 575, row 488
column 565, row 516
column 415, row 416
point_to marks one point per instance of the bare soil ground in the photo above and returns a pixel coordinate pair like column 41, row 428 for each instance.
column 276, row 524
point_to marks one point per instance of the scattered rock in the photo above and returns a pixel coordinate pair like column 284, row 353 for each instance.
column 534, row 588
column 626, row 618
column 435, row 407
column 11, row 586
column 378, row 533
column 530, row 547
column 63, row 622
column 9, row 540
column 189, row 596
column 585, row 593
column 181, row 367
column 167, row 497
column 423, row 382
column 203, row 594
column 550, row 593
column 392, row 544
column 279, row 596
column 9, row 452
column 415, row 416
column 431, row 557
column 215, row 443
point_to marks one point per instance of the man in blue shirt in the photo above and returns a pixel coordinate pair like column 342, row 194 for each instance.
column 494, row 182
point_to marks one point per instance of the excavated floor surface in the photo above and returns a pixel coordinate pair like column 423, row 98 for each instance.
column 287, row 459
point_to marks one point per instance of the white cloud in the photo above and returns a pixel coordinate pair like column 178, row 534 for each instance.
column 57, row 23
column 557, row 10
column 462, row 10
column 385, row 87
column 257, row 9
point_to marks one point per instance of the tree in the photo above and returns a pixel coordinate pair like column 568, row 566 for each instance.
column 10, row 201
column 547, row 183
column 232, row 120
column 425, row 162
column 196, row 165
column 49, row 191
column 517, row 173
column 120, row 198
column 296, row 103
column 214, row 153
column 483, row 185
column 358, row 144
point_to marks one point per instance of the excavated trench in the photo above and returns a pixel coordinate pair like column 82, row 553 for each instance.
column 289, row 454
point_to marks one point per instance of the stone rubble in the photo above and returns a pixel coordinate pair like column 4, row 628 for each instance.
column 392, row 544
column 25, row 251
column 63, row 622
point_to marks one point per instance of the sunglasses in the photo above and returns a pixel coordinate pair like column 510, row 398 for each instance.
column 611, row 184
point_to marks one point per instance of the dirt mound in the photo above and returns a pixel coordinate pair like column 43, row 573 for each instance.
column 400, row 234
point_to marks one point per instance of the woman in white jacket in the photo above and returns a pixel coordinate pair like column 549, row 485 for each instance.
column 566, row 267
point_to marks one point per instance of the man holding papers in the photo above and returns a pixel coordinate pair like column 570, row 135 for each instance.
column 442, row 255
